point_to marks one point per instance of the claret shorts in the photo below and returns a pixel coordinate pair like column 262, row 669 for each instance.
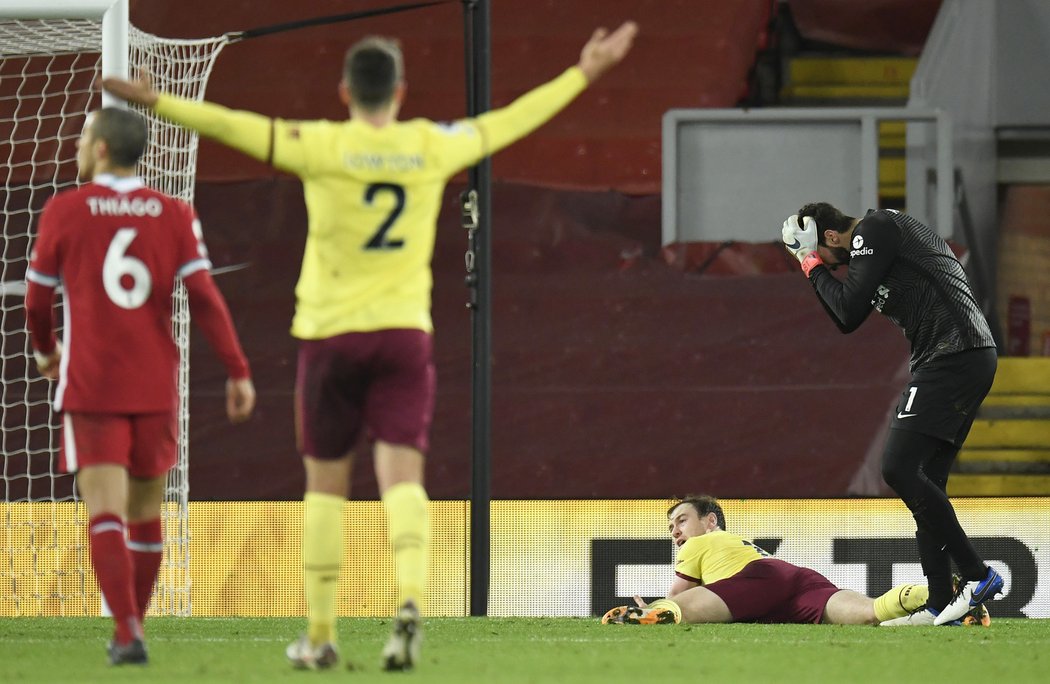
column 381, row 381
column 775, row 591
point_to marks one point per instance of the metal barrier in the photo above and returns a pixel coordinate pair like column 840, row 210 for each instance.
column 732, row 174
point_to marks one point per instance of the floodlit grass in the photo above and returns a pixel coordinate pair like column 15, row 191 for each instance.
column 199, row 650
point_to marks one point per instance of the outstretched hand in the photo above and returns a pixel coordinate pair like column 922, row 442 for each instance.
column 605, row 50
column 139, row 90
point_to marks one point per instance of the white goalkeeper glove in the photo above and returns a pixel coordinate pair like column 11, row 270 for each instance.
column 801, row 242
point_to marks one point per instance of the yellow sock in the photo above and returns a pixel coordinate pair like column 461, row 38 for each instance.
column 322, row 559
column 408, row 531
column 668, row 604
column 901, row 600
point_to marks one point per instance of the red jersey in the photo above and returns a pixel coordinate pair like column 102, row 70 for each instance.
column 116, row 247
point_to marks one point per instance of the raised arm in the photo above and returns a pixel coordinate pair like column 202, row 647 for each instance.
column 502, row 127
column 247, row 132
column 605, row 50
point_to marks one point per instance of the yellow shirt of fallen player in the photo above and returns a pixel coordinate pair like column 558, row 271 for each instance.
column 372, row 198
column 715, row 556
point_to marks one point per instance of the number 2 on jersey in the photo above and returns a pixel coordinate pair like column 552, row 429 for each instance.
column 379, row 239
column 117, row 264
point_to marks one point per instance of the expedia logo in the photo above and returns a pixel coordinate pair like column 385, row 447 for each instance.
column 858, row 247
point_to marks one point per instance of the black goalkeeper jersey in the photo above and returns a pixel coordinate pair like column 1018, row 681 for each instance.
column 904, row 270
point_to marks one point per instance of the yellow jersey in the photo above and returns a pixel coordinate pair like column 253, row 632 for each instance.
column 373, row 195
column 715, row 556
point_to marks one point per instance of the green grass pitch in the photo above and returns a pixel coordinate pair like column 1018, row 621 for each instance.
column 199, row 650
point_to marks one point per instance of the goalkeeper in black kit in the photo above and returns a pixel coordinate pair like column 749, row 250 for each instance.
column 901, row 268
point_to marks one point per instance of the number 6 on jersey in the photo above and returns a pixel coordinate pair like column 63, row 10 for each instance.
column 119, row 263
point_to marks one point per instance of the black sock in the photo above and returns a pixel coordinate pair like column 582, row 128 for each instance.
column 937, row 566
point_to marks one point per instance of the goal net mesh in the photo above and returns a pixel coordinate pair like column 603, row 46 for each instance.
column 49, row 72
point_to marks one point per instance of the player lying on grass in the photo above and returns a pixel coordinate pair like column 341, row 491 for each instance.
column 721, row 577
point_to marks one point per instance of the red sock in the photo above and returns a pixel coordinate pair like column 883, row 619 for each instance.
column 146, row 544
column 112, row 563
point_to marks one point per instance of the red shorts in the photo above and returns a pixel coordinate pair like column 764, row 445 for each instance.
column 383, row 381
column 772, row 590
column 145, row 444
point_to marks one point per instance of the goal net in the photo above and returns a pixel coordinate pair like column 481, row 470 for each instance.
column 49, row 73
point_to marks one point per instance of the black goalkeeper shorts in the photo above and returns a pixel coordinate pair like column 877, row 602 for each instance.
column 943, row 396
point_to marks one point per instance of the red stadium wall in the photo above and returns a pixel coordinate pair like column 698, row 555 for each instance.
column 615, row 374
column 689, row 54
column 887, row 26
column 619, row 371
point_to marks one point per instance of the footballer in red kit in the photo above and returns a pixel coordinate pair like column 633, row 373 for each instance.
column 117, row 248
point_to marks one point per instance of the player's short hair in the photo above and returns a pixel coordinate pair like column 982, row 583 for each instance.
column 372, row 69
column 827, row 218
column 703, row 504
column 124, row 133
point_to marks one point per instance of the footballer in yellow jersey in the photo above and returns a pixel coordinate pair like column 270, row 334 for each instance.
column 721, row 577
column 373, row 195
column 715, row 556
column 373, row 187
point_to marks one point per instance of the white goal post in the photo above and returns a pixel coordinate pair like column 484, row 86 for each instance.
column 52, row 54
